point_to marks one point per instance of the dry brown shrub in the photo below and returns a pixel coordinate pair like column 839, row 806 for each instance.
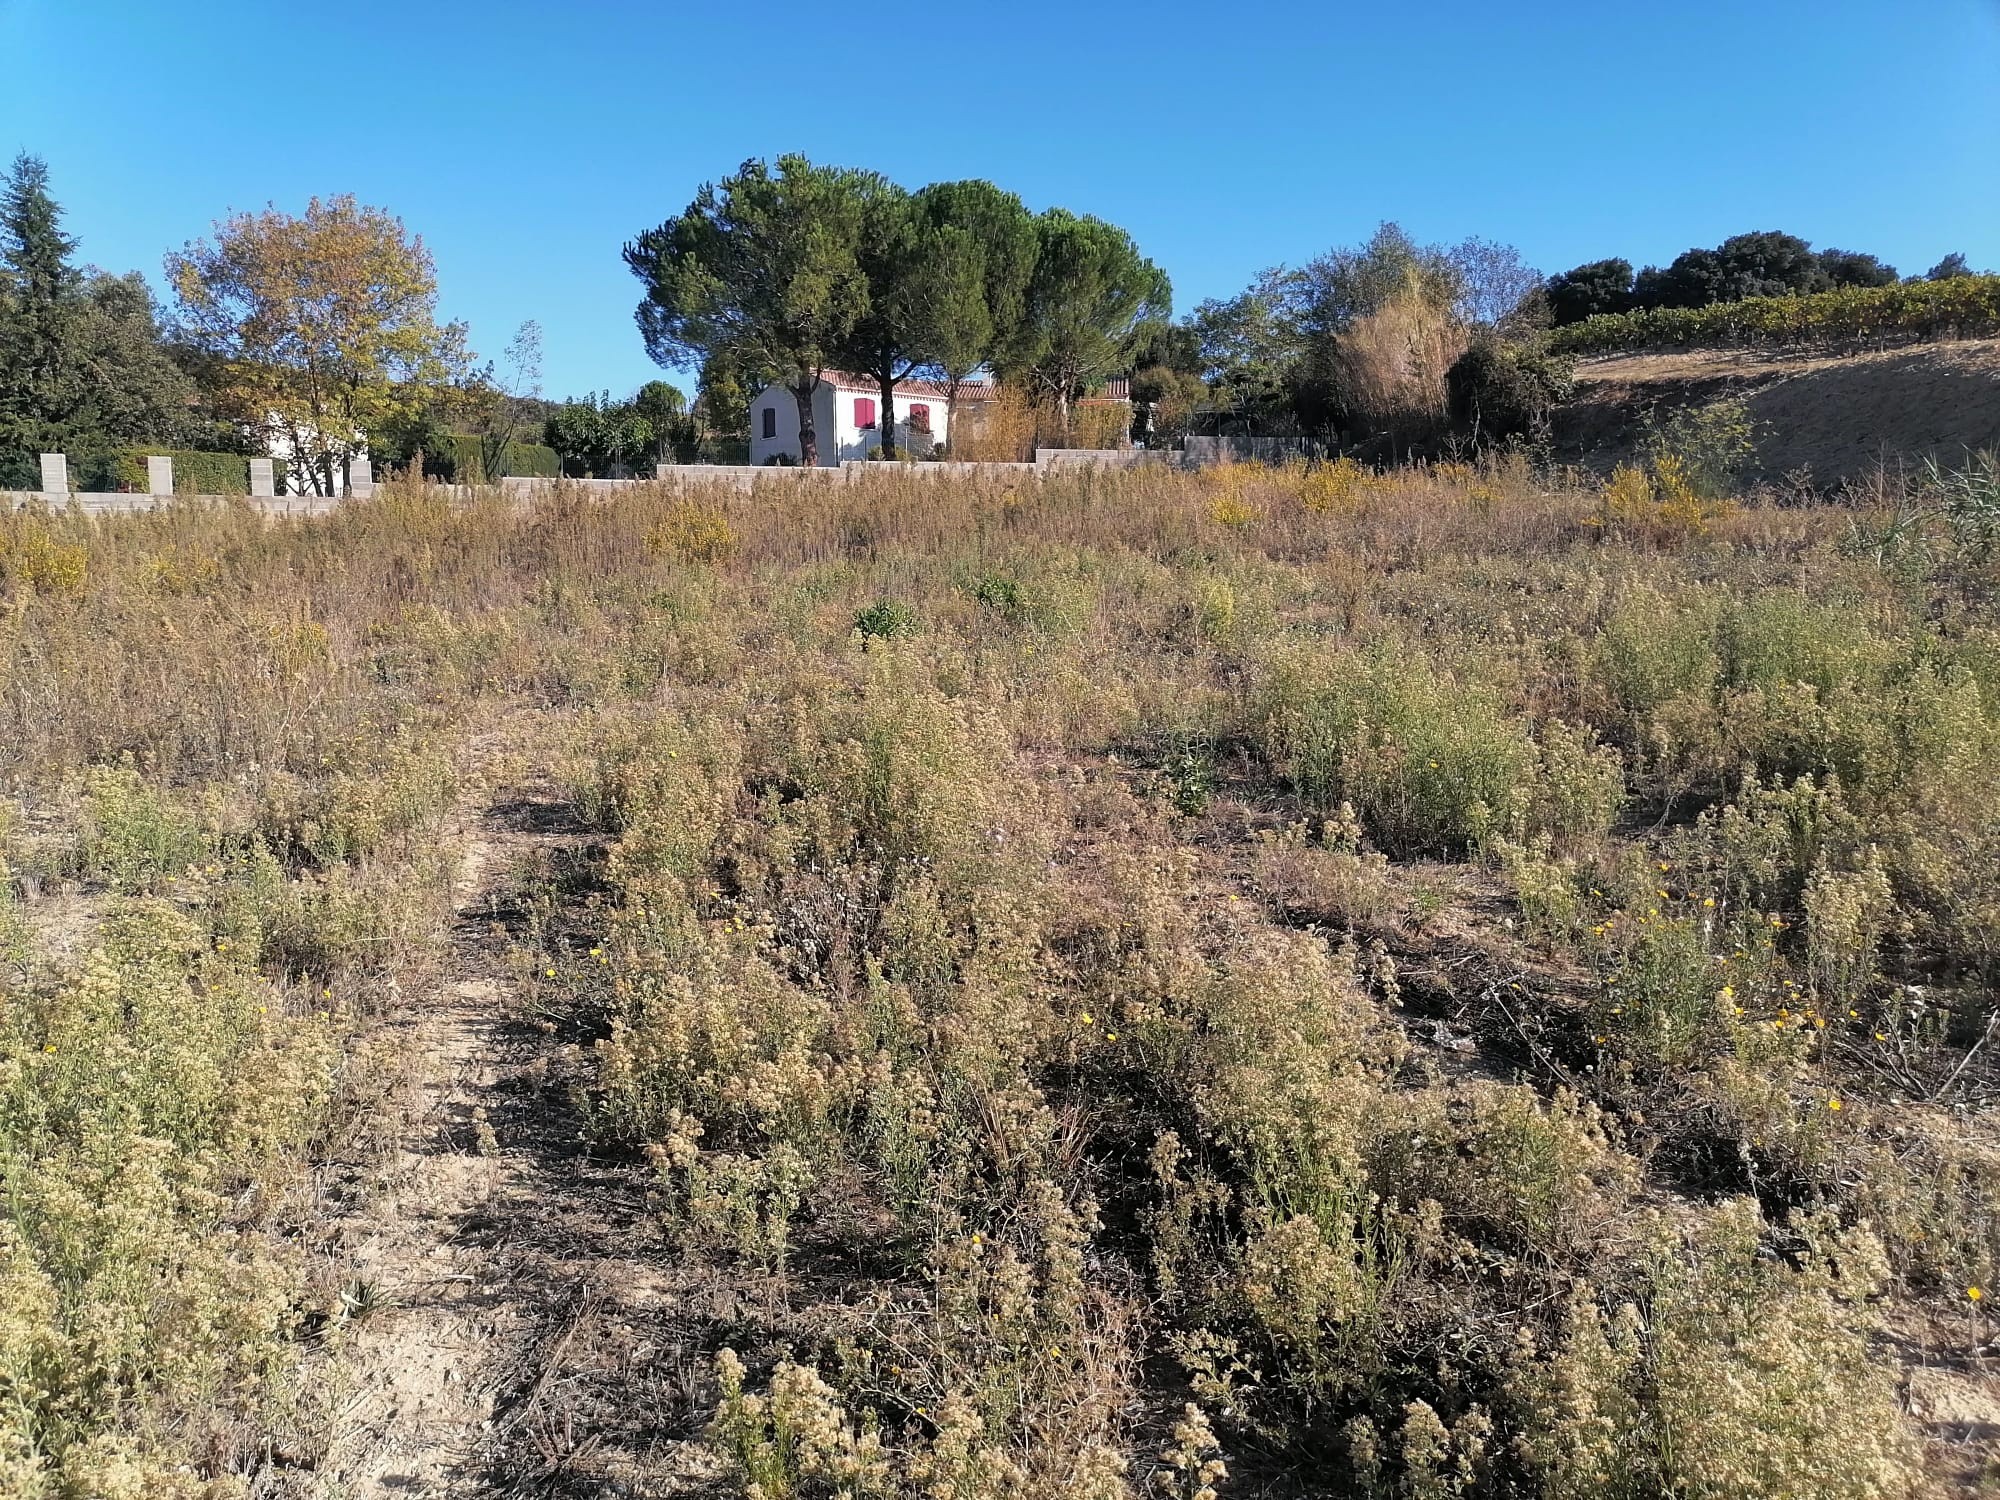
column 1390, row 365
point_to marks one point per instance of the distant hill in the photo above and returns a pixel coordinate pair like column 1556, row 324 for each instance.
column 1836, row 416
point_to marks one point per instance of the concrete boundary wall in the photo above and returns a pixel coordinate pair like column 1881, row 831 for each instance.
column 1201, row 452
column 750, row 476
column 742, row 477
column 108, row 504
column 1103, row 458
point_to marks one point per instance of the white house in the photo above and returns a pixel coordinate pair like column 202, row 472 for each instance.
column 847, row 418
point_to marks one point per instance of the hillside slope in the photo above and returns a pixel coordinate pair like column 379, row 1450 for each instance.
column 1835, row 416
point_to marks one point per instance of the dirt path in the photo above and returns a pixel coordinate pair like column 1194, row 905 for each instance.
column 505, row 1332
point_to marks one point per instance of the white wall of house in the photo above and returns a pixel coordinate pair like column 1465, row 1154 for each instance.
column 278, row 445
column 774, row 422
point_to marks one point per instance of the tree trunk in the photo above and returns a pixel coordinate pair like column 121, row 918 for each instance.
column 887, row 416
column 951, row 385
column 808, row 439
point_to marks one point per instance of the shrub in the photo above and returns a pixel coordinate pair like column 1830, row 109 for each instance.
column 1705, row 447
column 533, row 460
column 1338, row 485
column 1744, row 1377
column 1497, row 391
column 462, row 460
column 131, row 837
column 142, row 1088
column 1431, row 762
column 36, row 560
column 1659, row 507
column 693, row 533
column 1503, row 1166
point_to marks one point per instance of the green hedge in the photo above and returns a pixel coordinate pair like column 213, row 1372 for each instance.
column 20, row 471
column 463, row 461
column 123, row 470
column 534, row 461
column 1963, row 307
column 195, row 473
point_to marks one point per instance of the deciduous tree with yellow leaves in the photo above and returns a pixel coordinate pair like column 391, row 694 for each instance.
column 317, row 328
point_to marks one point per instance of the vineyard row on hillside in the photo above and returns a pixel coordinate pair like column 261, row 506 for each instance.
column 1963, row 307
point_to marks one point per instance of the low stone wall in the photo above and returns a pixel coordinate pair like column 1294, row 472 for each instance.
column 746, row 477
column 109, row 504
column 55, row 490
column 741, row 477
column 1102, row 458
column 1201, row 452
column 947, row 469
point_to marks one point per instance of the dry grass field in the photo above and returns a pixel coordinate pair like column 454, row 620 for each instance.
column 1262, row 983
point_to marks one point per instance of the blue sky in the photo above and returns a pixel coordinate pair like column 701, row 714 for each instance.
column 527, row 142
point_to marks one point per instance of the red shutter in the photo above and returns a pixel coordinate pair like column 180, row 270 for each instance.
column 864, row 412
column 920, row 419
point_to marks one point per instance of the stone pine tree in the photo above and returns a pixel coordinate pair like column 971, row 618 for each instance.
column 763, row 271
column 1090, row 288
column 976, row 246
column 887, row 341
column 948, row 269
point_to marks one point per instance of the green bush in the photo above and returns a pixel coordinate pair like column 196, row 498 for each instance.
column 1710, row 445
column 132, row 838
column 534, row 461
column 1498, row 390
column 19, row 471
column 463, row 460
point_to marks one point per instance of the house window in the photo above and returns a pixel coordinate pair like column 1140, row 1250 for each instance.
column 920, row 419
column 770, row 421
column 864, row 412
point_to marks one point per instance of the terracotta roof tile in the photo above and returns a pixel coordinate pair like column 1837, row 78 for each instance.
column 867, row 385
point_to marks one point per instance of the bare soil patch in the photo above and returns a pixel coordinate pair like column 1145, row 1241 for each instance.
column 1834, row 417
column 503, row 1330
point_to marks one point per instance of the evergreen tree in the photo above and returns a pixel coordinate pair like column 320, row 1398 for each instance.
column 39, row 309
column 82, row 366
column 763, row 271
column 1601, row 286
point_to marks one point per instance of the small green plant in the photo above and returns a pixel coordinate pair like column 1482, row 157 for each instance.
column 132, row 837
column 886, row 619
column 1190, row 774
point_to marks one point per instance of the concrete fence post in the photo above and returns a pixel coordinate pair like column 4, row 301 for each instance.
column 263, row 480
column 55, row 474
column 361, row 478
column 159, row 475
